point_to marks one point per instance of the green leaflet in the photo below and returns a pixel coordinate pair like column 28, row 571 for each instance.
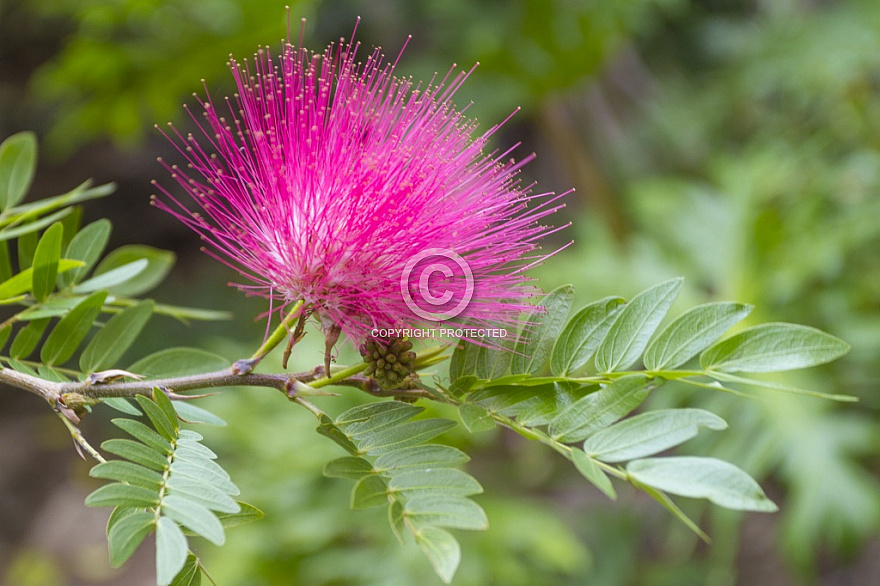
column 166, row 480
column 111, row 342
column 591, row 471
column 720, row 482
column 18, row 163
column 442, row 549
column 171, row 550
column 542, row 328
column 124, row 536
column 649, row 433
column 178, row 362
column 86, row 246
column 582, row 335
column 45, row 264
column 156, row 265
column 190, row 574
column 419, row 484
column 72, row 329
column 632, row 329
column 691, row 333
column 600, row 409
column 23, row 282
column 112, row 278
column 773, row 347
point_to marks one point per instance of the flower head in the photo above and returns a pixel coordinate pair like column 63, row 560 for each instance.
column 323, row 179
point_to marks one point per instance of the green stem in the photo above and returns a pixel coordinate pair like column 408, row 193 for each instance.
column 339, row 376
column 280, row 333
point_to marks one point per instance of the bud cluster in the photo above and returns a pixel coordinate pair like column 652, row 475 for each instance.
column 390, row 361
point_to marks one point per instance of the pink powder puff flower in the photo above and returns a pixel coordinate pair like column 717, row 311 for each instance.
column 327, row 177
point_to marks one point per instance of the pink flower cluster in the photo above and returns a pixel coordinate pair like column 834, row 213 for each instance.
column 323, row 176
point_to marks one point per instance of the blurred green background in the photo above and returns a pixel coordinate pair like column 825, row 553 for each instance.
column 734, row 143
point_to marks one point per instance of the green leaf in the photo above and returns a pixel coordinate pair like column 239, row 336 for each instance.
column 111, row 342
column 773, row 347
column 122, row 405
column 429, row 456
column 5, row 262
column 203, row 493
column 543, row 327
column 112, row 278
column 395, row 519
column 591, row 471
column 45, row 265
column 190, row 574
column 122, row 495
column 464, row 360
column 582, row 334
column 442, row 551
column 5, row 331
column 720, row 482
column 72, row 329
column 171, row 550
column 631, row 331
column 23, row 282
column 406, row 434
column 194, row 516
column 649, row 433
column 206, row 471
column 128, row 472
column 192, row 414
column 348, row 467
column 50, row 374
column 376, row 416
column 20, row 367
column 27, row 338
column 160, row 420
column 445, row 511
column 27, row 235
column 27, row 243
column 18, row 163
column 328, row 429
column 185, row 444
column 246, row 514
column 143, row 433
column 600, row 409
column 494, row 358
column 449, row 481
column 164, row 403
column 86, row 246
column 52, row 307
column 136, row 452
column 370, row 491
column 159, row 262
column 179, row 361
column 82, row 192
column 126, row 535
column 475, row 418
column 691, row 333
column 71, row 223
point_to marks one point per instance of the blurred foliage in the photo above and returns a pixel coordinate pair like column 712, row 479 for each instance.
column 739, row 142
column 127, row 64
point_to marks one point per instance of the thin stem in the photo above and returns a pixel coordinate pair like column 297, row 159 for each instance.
column 339, row 376
column 309, row 406
column 80, row 440
column 280, row 332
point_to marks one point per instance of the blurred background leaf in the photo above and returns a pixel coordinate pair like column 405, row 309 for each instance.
column 735, row 143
